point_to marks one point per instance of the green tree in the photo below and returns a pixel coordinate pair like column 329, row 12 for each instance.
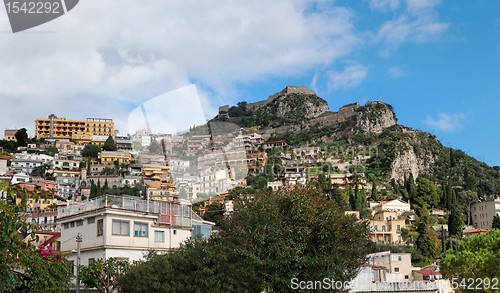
column 44, row 270
column 410, row 186
column 93, row 190
column 267, row 241
column 109, row 144
column 496, row 222
column 22, row 137
column 427, row 194
column 214, row 213
column 91, row 151
column 103, row 274
column 455, row 221
column 374, row 194
column 39, row 171
column 427, row 241
column 475, row 257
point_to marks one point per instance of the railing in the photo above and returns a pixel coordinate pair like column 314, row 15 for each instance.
column 171, row 213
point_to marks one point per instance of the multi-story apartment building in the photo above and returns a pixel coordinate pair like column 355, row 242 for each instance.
column 386, row 227
column 62, row 164
column 69, row 148
column 127, row 227
column 397, row 266
column 295, row 176
column 83, row 131
column 482, row 213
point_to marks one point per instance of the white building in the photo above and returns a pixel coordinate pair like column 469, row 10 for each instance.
column 127, row 227
column 395, row 205
column 482, row 213
column 295, row 175
column 24, row 162
column 3, row 164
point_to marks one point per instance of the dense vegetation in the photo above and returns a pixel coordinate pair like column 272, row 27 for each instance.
column 22, row 265
column 266, row 242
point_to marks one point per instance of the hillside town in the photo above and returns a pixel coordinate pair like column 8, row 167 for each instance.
column 92, row 194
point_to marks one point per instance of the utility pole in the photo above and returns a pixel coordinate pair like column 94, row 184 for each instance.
column 78, row 241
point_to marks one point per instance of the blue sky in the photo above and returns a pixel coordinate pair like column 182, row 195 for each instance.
column 436, row 62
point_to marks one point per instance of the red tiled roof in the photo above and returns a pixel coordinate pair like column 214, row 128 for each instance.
column 477, row 230
column 427, row 272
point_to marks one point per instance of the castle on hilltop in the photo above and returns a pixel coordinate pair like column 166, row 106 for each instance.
column 326, row 118
column 287, row 90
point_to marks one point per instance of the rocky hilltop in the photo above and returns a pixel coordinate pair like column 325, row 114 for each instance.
column 299, row 116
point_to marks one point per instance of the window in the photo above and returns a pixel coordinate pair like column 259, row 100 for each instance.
column 100, row 227
column 140, row 229
column 72, row 224
column 91, row 220
column 79, row 223
column 66, row 225
column 376, row 228
column 396, row 270
column 399, row 228
column 383, row 228
column 175, row 232
column 121, row 228
column 159, row 236
column 407, row 277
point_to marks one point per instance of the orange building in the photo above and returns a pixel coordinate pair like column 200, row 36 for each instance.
column 83, row 131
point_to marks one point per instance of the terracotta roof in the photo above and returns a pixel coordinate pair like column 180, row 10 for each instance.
column 477, row 230
column 54, row 237
column 427, row 272
column 373, row 266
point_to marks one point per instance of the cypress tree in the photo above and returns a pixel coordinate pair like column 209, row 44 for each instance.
column 374, row 195
column 98, row 188
column 455, row 221
column 496, row 222
column 352, row 199
column 93, row 190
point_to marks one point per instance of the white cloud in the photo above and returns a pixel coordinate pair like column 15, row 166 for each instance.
column 396, row 71
column 350, row 77
column 417, row 6
column 446, row 122
column 106, row 57
column 384, row 5
column 417, row 23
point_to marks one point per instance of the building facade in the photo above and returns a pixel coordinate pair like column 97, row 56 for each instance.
column 10, row 134
column 386, row 227
column 127, row 228
column 81, row 131
column 482, row 213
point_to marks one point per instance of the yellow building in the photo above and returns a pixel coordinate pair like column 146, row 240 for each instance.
column 109, row 157
column 386, row 227
column 155, row 172
column 83, row 131
column 34, row 203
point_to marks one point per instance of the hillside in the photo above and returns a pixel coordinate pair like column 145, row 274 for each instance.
column 393, row 151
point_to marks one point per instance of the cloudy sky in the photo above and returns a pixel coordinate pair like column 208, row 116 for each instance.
column 437, row 63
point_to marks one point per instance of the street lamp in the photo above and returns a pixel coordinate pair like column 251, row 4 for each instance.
column 78, row 241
